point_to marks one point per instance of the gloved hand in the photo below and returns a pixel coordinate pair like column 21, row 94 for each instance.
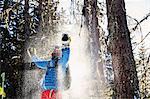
column 31, row 51
column 66, row 40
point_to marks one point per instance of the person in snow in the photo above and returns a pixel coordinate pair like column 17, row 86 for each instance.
column 50, row 81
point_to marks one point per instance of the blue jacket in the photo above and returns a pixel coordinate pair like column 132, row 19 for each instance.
column 50, row 79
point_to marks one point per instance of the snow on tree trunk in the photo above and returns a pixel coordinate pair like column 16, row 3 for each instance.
column 91, row 21
column 125, row 75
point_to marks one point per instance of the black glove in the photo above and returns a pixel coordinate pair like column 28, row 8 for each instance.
column 66, row 40
column 65, row 37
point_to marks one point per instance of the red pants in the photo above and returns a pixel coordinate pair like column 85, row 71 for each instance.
column 51, row 94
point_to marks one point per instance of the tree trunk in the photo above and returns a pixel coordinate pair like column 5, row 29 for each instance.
column 126, row 81
column 40, row 9
column 91, row 22
column 27, row 20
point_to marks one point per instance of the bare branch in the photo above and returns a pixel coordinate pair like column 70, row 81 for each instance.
column 148, row 60
column 137, row 22
column 142, row 40
column 145, row 18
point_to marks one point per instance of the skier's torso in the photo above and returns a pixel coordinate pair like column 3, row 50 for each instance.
column 50, row 80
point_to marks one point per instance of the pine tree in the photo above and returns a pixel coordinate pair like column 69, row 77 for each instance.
column 12, row 29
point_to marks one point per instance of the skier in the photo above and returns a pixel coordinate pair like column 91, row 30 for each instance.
column 50, row 82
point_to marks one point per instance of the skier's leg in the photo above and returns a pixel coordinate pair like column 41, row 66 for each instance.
column 52, row 94
column 45, row 94
column 55, row 94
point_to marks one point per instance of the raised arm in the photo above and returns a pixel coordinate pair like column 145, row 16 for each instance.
column 39, row 62
column 65, row 51
column 65, row 57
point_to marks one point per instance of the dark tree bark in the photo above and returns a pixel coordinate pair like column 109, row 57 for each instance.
column 27, row 20
column 91, row 22
column 40, row 9
column 126, row 81
column 27, row 30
